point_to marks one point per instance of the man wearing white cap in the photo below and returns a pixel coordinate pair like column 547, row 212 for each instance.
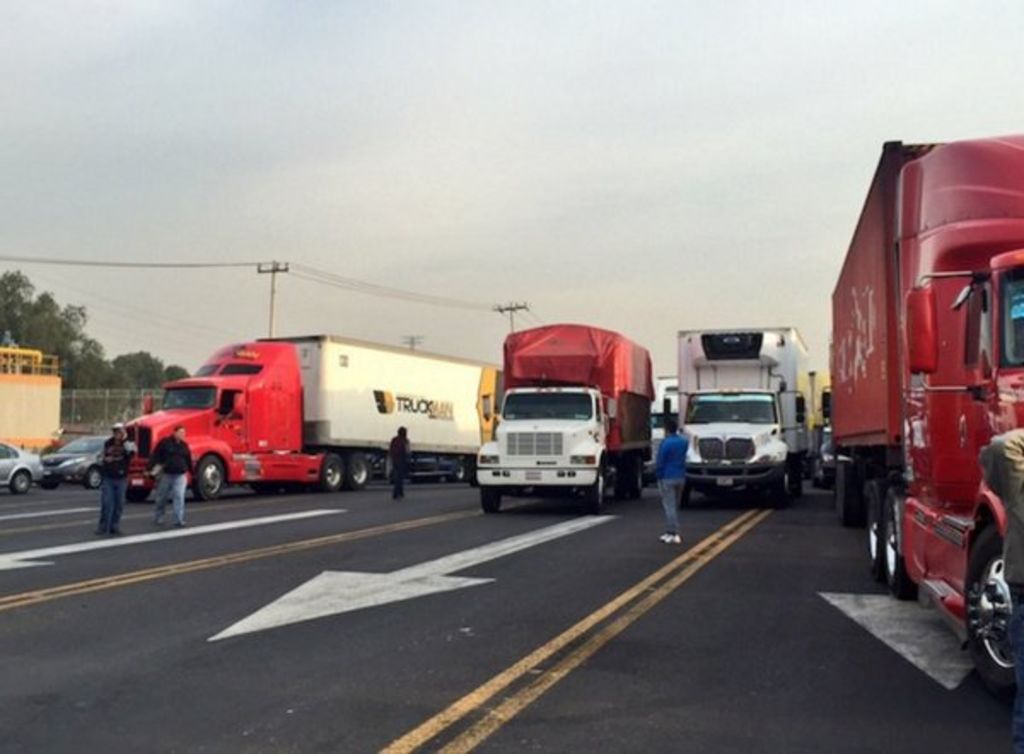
column 117, row 453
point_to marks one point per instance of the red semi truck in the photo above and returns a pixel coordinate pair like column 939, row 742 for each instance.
column 927, row 366
column 576, row 417
column 314, row 411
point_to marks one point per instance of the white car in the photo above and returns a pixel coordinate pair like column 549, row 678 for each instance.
column 18, row 469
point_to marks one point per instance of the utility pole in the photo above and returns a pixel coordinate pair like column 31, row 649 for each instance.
column 412, row 341
column 272, row 268
column 510, row 309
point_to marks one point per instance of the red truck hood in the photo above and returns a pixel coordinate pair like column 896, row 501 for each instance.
column 162, row 423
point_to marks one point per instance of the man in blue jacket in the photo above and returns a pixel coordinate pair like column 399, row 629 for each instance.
column 670, row 469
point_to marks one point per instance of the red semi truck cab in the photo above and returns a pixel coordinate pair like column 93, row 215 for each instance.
column 928, row 366
column 242, row 414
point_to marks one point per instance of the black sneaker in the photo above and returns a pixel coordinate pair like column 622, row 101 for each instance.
column 179, row 525
column 115, row 532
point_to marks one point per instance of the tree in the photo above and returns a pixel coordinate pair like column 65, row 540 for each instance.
column 138, row 370
column 175, row 372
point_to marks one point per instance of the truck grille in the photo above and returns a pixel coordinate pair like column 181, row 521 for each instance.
column 143, row 439
column 534, row 444
column 711, row 448
column 739, row 449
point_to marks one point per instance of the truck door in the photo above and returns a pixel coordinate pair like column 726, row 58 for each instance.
column 229, row 426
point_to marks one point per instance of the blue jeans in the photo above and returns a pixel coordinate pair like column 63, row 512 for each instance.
column 671, row 493
column 173, row 486
column 112, row 492
column 1017, row 642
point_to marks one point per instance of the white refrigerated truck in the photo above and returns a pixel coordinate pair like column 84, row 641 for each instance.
column 742, row 405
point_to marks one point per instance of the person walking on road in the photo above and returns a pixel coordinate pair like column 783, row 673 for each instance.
column 670, row 470
column 399, row 456
column 171, row 461
column 117, row 454
column 1002, row 463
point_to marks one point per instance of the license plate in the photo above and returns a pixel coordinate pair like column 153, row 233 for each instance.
column 725, row 481
column 532, row 476
column 138, row 483
column 47, row 472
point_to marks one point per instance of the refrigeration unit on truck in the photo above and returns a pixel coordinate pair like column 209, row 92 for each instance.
column 576, row 417
column 313, row 412
column 928, row 366
column 743, row 409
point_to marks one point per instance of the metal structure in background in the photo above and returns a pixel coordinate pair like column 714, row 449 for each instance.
column 510, row 309
column 93, row 411
column 272, row 269
column 15, row 360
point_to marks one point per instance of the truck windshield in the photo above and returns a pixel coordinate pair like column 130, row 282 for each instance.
column 742, row 408
column 548, row 406
column 190, row 397
column 1013, row 322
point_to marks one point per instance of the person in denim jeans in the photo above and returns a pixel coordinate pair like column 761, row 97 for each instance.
column 117, row 453
column 172, row 460
column 670, row 470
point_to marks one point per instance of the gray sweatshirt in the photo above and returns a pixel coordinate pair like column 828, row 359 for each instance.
column 1002, row 464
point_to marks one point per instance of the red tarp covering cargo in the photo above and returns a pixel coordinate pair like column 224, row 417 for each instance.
column 578, row 355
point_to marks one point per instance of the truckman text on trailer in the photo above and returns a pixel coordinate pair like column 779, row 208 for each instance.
column 927, row 366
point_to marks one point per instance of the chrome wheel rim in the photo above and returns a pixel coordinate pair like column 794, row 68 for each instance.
column 212, row 478
column 359, row 473
column 891, row 547
column 990, row 612
column 332, row 474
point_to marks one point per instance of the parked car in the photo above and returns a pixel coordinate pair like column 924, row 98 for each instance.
column 78, row 462
column 18, row 469
column 825, row 463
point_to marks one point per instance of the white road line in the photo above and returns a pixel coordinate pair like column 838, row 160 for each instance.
column 10, row 561
column 335, row 592
column 915, row 632
column 41, row 514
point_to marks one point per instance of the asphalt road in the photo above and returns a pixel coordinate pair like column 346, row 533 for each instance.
column 572, row 634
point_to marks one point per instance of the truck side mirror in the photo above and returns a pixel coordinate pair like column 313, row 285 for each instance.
column 613, row 408
column 922, row 334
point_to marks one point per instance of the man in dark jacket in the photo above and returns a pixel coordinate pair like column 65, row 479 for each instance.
column 399, row 457
column 117, row 453
column 171, row 461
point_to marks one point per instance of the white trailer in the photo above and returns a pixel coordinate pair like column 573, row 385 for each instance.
column 357, row 394
column 666, row 403
column 743, row 407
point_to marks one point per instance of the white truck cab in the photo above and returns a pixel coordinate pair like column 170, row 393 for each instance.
column 743, row 410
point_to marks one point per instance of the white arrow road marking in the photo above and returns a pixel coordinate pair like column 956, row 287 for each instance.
column 915, row 632
column 335, row 592
column 10, row 561
column 40, row 514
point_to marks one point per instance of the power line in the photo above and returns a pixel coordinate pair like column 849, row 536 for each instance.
column 412, row 341
column 133, row 265
column 510, row 309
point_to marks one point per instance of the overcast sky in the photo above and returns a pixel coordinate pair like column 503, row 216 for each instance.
column 641, row 166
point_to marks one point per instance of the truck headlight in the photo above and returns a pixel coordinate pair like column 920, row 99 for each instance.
column 583, row 460
column 488, row 460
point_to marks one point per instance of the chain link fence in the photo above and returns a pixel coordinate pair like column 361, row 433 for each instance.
column 93, row 411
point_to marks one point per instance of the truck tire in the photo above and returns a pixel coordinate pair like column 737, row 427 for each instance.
column 357, row 471
column 796, row 476
column 135, row 495
column 848, row 501
column 208, row 481
column 636, row 478
column 593, row 498
column 988, row 614
column 490, row 499
column 684, row 499
column 874, row 500
column 20, row 483
column 458, row 473
column 900, row 584
column 93, row 479
column 780, row 491
column 332, row 473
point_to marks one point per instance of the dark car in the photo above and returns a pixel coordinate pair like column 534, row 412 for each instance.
column 78, row 462
column 425, row 466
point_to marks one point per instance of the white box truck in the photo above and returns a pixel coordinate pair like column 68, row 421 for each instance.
column 743, row 407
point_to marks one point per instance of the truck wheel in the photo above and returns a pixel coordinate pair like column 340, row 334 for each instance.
column 93, row 479
column 636, row 478
column 900, row 584
column 988, row 613
column 20, row 483
column 490, row 499
column 208, row 479
column 332, row 473
column 780, row 491
column 848, row 501
column 357, row 471
column 796, row 477
column 684, row 499
column 458, row 473
column 136, row 495
column 594, row 498
column 874, row 498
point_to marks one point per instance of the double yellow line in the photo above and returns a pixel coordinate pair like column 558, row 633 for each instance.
column 38, row 596
column 574, row 646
